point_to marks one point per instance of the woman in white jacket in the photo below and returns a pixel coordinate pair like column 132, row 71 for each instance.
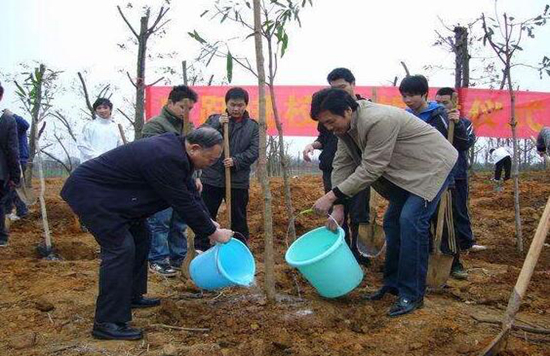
column 99, row 135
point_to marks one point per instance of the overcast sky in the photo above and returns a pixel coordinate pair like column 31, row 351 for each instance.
column 369, row 37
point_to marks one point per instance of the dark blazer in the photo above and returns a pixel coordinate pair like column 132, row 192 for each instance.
column 135, row 181
column 9, row 150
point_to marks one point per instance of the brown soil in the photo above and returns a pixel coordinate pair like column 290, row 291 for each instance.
column 47, row 307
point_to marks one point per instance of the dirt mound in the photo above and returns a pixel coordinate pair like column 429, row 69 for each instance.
column 47, row 307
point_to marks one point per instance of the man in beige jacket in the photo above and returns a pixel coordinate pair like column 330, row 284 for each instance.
column 407, row 162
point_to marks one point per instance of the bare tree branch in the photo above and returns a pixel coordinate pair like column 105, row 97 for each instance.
column 127, row 23
column 86, row 96
column 131, row 80
column 63, row 119
column 406, row 69
column 67, row 168
column 126, row 116
column 155, row 82
column 161, row 14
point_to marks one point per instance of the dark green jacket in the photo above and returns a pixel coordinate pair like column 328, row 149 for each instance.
column 165, row 122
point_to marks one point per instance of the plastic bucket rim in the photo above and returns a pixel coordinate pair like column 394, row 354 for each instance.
column 222, row 270
column 329, row 251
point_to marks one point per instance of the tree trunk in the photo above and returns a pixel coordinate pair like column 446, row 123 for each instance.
column 36, row 106
column 140, row 79
column 282, row 153
column 515, row 161
column 262, row 173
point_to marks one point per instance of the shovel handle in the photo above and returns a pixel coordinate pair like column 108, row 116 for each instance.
column 227, row 173
column 529, row 264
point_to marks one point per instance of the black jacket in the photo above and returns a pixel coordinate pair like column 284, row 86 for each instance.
column 244, row 141
column 134, row 181
column 440, row 121
column 9, row 150
column 461, row 168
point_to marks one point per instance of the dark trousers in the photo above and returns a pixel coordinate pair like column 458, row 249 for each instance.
column 506, row 164
column 13, row 199
column 4, row 195
column 356, row 211
column 461, row 217
column 122, row 272
column 406, row 224
column 213, row 197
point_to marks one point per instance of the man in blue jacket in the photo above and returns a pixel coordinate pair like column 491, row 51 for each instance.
column 461, row 218
column 414, row 90
column 10, row 172
column 21, row 209
column 114, row 193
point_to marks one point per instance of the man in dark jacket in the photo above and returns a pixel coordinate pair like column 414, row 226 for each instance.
column 114, row 193
column 461, row 217
column 356, row 208
column 168, row 239
column 13, row 199
column 243, row 149
column 543, row 141
column 10, row 172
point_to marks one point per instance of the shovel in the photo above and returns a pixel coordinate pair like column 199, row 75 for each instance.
column 370, row 237
column 439, row 264
column 25, row 194
column 521, row 285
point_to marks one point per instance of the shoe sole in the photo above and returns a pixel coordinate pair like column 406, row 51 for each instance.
column 101, row 336
column 134, row 306
column 163, row 274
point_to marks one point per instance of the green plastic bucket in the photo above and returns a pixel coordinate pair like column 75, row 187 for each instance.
column 326, row 261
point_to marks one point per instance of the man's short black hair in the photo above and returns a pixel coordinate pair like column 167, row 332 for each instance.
column 446, row 91
column 335, row 100
column 102, row 101
column 414, row 85
column 1, row 90
column 236, row 94
column 180, row 92
column 341, row 73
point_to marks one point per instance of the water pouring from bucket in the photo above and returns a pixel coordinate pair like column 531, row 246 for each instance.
column 223, row 265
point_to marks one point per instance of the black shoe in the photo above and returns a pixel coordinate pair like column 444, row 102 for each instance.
column 116, row 331
column 3, row 243
column 162, row 269
column 379, row 294
column 405, row 306
column 143, row 302
column 458, row 272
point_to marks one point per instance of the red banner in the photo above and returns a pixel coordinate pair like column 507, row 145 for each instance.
column 489, row 110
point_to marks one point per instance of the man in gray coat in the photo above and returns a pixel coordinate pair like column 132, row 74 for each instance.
column 243, row 148
column 10, row 172
column 407, row 162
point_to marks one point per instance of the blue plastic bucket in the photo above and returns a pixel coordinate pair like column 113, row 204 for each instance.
column 223, row 265
column 326, row 261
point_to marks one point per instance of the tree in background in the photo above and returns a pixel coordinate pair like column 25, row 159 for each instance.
column 504, row 34
column 141, row 37
column 36, row 93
